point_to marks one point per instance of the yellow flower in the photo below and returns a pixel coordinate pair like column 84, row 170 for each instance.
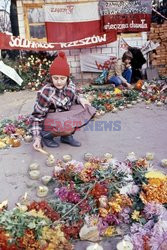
column 2, row 145
column 115, row 207
column 109, row 231
column 117, row 91
column 155, row 174
column 87, row 164
column 35, row 213
column 156, row 191
column 155, row 181
column 103, row 212
column 5, row 139
column 54, row 237
column 20, row 131
column 136, row 215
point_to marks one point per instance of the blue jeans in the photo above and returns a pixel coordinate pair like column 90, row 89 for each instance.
column 127, row 74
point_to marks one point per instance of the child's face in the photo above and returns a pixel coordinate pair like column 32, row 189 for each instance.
column 59, row 81
column 127, row 61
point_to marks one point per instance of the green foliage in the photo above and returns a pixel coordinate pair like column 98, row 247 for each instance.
column 139, row 175
column 63, row 207
column 101, row 96
column 16, row 222
column 130, row 95
column 137, row 203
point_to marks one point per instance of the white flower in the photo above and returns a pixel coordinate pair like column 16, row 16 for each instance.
column 132, row 157
column 130, row 188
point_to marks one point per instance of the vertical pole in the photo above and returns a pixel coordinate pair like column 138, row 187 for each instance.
column 82, row 77
column 118, row 46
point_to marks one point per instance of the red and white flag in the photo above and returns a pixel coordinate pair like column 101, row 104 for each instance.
column 71, row 22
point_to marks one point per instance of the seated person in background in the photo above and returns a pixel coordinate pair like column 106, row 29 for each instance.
column 121, row 73
column 137, row 62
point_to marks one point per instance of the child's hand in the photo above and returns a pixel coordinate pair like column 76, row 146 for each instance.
column 37, row 143
column 84, row 102
column 129, row 86
column 128, row 66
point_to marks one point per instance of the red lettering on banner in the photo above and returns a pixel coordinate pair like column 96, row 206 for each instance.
column 67, row 10
column 107, row 64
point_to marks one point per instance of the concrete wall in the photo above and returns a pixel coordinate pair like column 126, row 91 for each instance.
column 136, row 40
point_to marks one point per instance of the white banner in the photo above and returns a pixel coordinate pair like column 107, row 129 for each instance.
column 95, row 62
column 80, row 12
column 149, row 46
column 10, row 72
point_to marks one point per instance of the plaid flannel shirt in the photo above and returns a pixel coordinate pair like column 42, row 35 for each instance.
column 49, row 98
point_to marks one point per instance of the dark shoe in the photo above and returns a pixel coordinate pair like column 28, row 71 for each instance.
column 48, row 140
column 50, row 143
column 70, row 140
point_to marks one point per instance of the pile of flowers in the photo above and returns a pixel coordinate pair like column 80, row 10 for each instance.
column 32, row 227
column 102, row 197
column 107, row 99
column 13, row 131
column 95, row 198
column 32, row 67
column 34, row 70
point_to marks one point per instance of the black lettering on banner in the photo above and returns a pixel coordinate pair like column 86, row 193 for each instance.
column 112, row 7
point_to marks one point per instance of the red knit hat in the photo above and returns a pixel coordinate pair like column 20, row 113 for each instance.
column 60, row 65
